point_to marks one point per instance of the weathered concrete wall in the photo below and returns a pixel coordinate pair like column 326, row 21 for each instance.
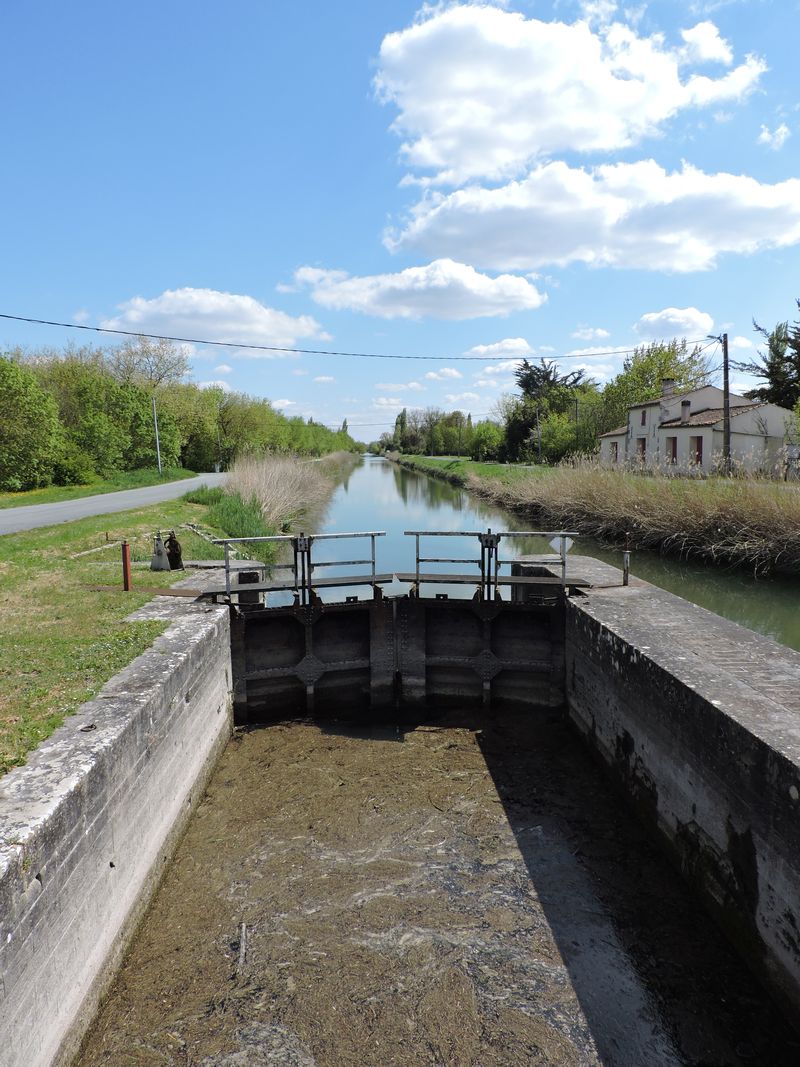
column 88, row 824
column 699, row 720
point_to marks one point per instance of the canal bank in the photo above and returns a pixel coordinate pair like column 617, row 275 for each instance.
column 766, row 605
column 743, row 521
column 312, row 838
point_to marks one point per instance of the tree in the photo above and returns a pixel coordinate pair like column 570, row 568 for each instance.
column 543, row 384
column 148, row 362
column 31, row 437
column 778, row 367
column 487, row 441
column 643, row 373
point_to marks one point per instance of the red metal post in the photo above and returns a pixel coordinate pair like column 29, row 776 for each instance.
column 126, row 566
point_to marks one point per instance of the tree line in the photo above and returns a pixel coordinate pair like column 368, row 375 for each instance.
column 555, row 415
column 71, row 416
column 552, row 415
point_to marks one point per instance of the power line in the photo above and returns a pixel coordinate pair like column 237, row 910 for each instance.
column 312, row 351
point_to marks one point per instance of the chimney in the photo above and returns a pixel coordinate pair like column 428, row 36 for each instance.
column 667, row 386
column 685, row 408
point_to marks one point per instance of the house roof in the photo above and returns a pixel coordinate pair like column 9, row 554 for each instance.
column 615, row 433
column 709, row 416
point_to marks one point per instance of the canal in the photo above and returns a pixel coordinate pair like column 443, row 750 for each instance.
column 456, row 889
column 379, row 495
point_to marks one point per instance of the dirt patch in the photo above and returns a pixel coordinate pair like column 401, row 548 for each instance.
column 460, row 893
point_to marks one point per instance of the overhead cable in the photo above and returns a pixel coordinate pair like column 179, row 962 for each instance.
column 498, row 357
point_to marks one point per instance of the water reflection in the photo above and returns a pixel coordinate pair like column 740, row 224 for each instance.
column 383, row 496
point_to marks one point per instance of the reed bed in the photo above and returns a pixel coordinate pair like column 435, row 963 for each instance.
column 285, row 489
column 746, row 522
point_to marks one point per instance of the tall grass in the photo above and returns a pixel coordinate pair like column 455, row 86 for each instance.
column 264, row 496
column 748, row 522
column 284, row 489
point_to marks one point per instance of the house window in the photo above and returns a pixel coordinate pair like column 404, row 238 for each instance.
column 641, row 447
column 615, row 451
column 644, row 417
column 696, row 450
column 672, row 449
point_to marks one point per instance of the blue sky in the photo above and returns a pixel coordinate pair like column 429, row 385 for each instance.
column 498, row 180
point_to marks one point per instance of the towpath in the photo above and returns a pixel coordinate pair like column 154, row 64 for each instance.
column 31, row 516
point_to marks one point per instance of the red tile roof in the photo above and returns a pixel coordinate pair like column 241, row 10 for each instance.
column 709, row 416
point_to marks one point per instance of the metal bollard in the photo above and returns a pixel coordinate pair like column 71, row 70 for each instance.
column 126, row 566
column 626, row 560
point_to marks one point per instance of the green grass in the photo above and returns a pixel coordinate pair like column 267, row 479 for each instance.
column 239, row 518
column 123, row 480
column 747, row 522
column 61, row 641
column 458, row 470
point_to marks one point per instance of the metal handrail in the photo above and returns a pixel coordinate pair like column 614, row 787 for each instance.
column 490, row 561
column 302, row 566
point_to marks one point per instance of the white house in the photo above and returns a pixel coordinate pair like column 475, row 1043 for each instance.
column 685, row 431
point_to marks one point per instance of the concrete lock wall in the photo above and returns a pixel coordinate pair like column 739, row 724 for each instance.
column 699, row 720
column 86, row 828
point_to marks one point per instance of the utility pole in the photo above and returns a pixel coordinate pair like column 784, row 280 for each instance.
column 726, row 403
column 726, row 408
column 155, row 424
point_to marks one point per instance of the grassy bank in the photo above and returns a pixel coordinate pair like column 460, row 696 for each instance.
column 743, row 522
column 61, row 641
column 123, row 480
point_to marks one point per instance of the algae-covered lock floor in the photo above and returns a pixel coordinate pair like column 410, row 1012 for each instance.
column 462, row 892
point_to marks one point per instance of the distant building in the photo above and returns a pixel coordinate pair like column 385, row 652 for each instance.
column 684, row 431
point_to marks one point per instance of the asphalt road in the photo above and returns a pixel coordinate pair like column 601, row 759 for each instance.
column 29, row 516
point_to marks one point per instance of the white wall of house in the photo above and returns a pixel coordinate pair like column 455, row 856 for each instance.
column 690, row 455
column 608, row 458
column 757, row 437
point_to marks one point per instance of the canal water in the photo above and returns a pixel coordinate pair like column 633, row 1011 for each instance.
column 379, row 495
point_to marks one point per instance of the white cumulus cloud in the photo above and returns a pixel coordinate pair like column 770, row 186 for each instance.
column 211, row 315
column 284, row 403
column 461, row 398
column 443, row 290
column 223, row 368
column 220, row 384
column 400, row 387
column 503, row 367
column 774, row 139
column 675, row 322
column 443, row 373
column 704, row 45
column 510, row 346
column 321, row 378
column 483, row 92
column 742, row 343
column 590, row 333
column 633, row 215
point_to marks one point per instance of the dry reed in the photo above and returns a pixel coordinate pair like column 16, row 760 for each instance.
column 747, row 522
column 286, row 489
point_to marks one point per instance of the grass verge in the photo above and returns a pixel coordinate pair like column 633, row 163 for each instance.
column 59, row 641
column 743, row 522
column 117, row 482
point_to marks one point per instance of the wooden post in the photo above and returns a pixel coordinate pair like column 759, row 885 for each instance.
column 126, row 566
